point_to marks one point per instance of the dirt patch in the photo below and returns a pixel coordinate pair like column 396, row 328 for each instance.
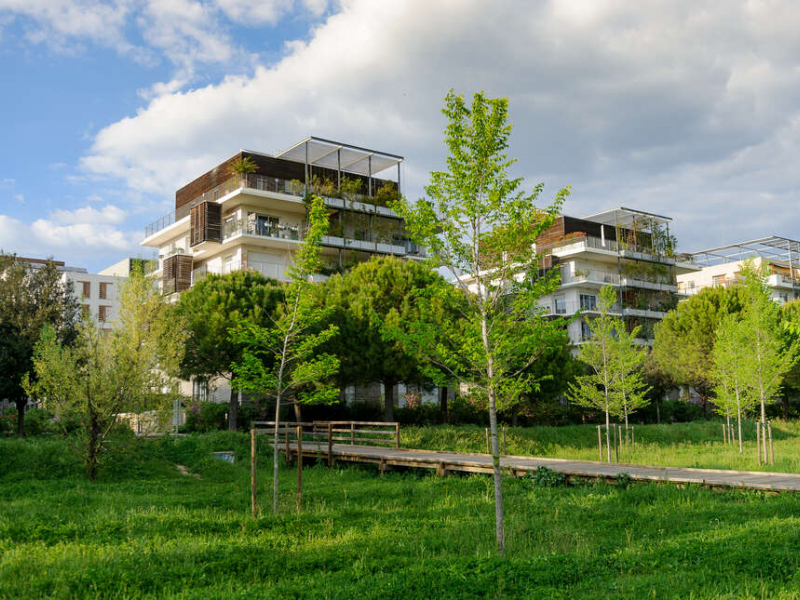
column 184, row 471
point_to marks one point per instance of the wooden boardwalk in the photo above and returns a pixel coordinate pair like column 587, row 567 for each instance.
column 519, row 466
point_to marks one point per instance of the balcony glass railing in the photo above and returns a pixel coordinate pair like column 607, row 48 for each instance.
column 283, row 231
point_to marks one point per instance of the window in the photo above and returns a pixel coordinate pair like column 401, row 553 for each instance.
column 691, row 285
column 588, row 302
column 263, row 225
column 586, row 332
column 87, row 288
column 104, row 290
column 719, row 280
column 85, row 311
column 104, row 313
column 200, row 390
column 560, row 307
column 783, row 297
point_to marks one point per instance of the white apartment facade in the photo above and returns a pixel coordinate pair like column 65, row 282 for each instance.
column 226, row 221
column 630, row 250
column 721, row 267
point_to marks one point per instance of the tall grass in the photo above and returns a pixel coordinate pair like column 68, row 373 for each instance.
column 697, row 444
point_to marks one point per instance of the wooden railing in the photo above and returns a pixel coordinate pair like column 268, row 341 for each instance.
column 327, row 433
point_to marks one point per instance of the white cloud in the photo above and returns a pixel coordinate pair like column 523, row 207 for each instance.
column 71, row 242
column 652, row 104
column 20, row 198
column 108, row 214
column 255, row 12
column 7, row 183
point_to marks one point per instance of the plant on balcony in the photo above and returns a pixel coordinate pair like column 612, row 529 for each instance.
column 243, row 167
column 581, row 273
column 386, row 194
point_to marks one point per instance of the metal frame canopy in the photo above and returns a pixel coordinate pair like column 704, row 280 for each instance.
column 773, row 248
column 319, row 152
column 624, row 217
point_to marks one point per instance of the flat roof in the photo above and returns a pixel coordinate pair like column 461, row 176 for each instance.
column 772, row 247
column 320, row 152
column 624, row 216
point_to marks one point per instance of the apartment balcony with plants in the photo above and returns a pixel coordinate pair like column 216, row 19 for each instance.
column 249, row 212
column 632, row 251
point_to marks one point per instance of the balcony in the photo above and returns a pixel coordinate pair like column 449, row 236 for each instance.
column 781, row 280
column 589, row 276
column 569, row 308
column 263, row 183
column 279, row 231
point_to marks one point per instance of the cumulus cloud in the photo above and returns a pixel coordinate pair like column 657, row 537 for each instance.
column 108, row 214
column 85, row 241
column 675, row 106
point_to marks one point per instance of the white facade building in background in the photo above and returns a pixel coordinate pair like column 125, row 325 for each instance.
column 778, row 257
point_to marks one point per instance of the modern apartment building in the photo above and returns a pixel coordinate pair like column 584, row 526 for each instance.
column 721, row 266
column 226, row 220
column 628, row 249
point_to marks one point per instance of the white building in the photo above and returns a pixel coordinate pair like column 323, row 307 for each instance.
column 630, row 250
column 721, row 267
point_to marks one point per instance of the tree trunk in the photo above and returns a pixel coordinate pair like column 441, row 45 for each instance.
column 298, row 411
column 275, row 454
column 92, row 450
column 515, row 417
column 21, row 403
column 658, row 411
column 704, row 400
column 443, row 403
column 388, row 396
column 233, row 411
column 739, row 418
column 497, row 475
column 785, row 407
column 608, row 431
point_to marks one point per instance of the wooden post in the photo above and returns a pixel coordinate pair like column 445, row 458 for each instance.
column 771, row 450
column 253, row 503
column 299, row 467
column 633, row 437
column 286, row 443
column 397, row 435
column 758, row 442
column 504, row 439
column 487, row 442
column 330, row 445
column 724, row 434
column 764, row 440
column 383, row 467
column 352, row 433
column 600, row 442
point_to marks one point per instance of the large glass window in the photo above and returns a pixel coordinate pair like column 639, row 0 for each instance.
column 560, row 305
column 200, row 389
column 588, row 302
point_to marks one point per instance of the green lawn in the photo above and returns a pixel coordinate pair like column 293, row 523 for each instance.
column 696, row 444
column 145, row 530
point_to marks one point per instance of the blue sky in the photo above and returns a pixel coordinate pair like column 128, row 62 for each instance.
column 689, row 108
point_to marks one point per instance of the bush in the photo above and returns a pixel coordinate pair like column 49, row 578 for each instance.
column 206, row 416
column 545, row 477
column 422, row 414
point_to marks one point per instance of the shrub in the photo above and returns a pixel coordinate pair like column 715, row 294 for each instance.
column 545, row 477
column 623, row 480
column 206, row 416
column 419, row 414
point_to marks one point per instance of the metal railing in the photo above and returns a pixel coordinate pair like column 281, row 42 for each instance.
column 282, row 231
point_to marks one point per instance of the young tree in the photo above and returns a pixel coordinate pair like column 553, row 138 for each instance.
column 596, row 389
column 769, row 360
column 628, row 362
column 284, row 359
column 129, row 369
column 361, row 300
column 29, row 300
column 208, row 309
column 684, row 339
column 732, row 352
column 480, row 225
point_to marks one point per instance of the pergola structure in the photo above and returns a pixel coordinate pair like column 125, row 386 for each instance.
column 342, row 158
column 773, row 248
column 626, row 217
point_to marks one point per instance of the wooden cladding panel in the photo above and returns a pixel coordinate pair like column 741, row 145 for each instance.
column 268, row 166
column 177, row 273
column 205, row 223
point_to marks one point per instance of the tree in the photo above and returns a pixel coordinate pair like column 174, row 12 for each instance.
column 769, row 359
column 361, row 301
column 480, row 225
column 732, row 352
column 628, row 360
column 132, row 368
column 209, row 310
column 284, row 359
column 596, row 389
column 30, row 299
column 684, row 339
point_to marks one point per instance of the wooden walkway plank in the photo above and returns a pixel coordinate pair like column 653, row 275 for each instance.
column 482, row 463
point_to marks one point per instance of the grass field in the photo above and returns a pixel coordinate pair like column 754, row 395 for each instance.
column 145, row 530
column 697, row 444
